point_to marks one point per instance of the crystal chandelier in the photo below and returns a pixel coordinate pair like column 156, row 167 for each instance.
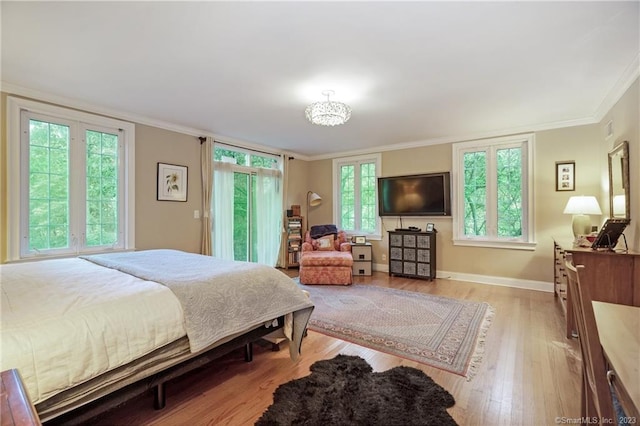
column 328, row 113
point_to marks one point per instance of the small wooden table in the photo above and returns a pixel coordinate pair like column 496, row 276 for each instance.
column 619, row 330
column 15, row 406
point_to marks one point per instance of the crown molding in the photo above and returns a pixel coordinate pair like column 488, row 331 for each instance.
column 628, row 77
column 460, row 138
column 25, row 92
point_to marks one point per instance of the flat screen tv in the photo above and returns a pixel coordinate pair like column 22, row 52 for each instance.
column 415, row 195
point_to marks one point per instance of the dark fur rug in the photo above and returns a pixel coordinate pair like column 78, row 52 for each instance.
column 346, row 391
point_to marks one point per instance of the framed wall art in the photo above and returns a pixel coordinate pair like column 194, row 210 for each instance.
column 172, row 182
column 565, row 176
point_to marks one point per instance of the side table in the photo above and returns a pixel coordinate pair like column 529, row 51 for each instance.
column 362, row 258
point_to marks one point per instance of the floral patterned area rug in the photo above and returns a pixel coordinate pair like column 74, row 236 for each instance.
column 438, row 331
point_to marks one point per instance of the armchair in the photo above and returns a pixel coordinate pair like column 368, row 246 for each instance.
column 326, row 260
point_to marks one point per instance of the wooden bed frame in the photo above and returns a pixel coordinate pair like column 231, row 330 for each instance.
column 101, row 401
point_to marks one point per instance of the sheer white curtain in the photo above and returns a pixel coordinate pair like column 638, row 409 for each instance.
column 284, row 168
column 223, row 210
column 206, row 171
column 268, row 213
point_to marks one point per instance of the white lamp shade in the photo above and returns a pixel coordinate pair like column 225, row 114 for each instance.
column 314, row 199
column 583, row 204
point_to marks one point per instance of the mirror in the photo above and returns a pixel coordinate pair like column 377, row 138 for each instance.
column 619, row 181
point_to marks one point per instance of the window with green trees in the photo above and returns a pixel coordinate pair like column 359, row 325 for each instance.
column 355, row 182
column 245, row 217
column 493, row 196
column 71, row 187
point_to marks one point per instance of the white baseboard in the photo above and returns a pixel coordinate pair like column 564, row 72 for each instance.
column 484, row 279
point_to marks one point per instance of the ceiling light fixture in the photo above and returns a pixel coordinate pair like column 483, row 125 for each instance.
column 328, row 113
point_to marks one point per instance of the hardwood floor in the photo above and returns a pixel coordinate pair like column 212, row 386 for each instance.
column 530, row 374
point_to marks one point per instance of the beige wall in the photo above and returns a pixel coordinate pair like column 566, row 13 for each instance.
column 626, row 127
column 171, row 224
column 585, row 145
column 3, row 177
column 564, row 144
column 159, row 224
column 166, row 224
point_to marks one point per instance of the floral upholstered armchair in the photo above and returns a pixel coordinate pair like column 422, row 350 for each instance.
column 326, row 259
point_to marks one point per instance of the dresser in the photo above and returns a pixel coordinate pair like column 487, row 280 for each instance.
column 15, row 407
column 412, row 254
column 612, row 277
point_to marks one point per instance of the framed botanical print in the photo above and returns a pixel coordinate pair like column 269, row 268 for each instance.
column 172, row 182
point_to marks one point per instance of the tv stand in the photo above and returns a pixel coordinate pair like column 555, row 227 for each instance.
column 412, row 254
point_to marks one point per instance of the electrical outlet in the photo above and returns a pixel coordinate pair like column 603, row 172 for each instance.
column 384, row 256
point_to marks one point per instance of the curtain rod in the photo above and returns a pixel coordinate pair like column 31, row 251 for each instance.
column 204, row 139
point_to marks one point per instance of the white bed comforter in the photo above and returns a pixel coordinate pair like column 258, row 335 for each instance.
column 89, row 320
column 219, row 297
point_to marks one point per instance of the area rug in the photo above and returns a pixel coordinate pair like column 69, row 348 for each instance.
column 345, row 391
column 438, row 331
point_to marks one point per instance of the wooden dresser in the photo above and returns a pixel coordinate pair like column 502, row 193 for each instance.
column 612, row 277
column 15, row 407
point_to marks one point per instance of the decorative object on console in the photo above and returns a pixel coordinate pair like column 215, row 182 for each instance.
column 313, row 200
column 581, row 207
column 565, row 176
column 610, row 233
column 328, row 113
column 430, row 227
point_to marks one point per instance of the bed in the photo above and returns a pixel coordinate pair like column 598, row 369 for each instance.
column 78, row 329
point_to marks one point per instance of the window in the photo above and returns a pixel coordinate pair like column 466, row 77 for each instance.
column 355, row 181
column 493, row 196
column 70, row 181
column 247, row 205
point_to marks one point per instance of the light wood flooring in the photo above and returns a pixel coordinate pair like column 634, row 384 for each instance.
column 530, row 374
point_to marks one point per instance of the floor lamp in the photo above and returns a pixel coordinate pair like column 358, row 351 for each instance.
column 313, row 200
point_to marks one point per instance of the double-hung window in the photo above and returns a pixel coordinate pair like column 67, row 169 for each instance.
column 355, row 192
column 493, row 192
column 70, row 182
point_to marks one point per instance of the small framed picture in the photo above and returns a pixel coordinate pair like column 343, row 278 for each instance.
column 430, row 227
column 565, row 176
column 172, row 182
column 359, row 239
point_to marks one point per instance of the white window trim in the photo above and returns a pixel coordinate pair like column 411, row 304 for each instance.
column 15, row 106
column 337, row 163
column 527, row 241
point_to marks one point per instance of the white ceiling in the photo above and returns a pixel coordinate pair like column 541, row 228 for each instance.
column 413, row 72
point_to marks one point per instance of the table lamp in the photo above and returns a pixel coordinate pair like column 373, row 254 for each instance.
column 581, row 207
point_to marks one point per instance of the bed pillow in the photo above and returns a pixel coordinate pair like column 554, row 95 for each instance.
column 325, row 243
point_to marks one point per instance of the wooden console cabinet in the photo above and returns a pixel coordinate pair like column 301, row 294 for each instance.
column 412, row 254
column 612, row 277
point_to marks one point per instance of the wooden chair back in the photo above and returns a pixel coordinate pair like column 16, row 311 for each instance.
column 596, row 399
